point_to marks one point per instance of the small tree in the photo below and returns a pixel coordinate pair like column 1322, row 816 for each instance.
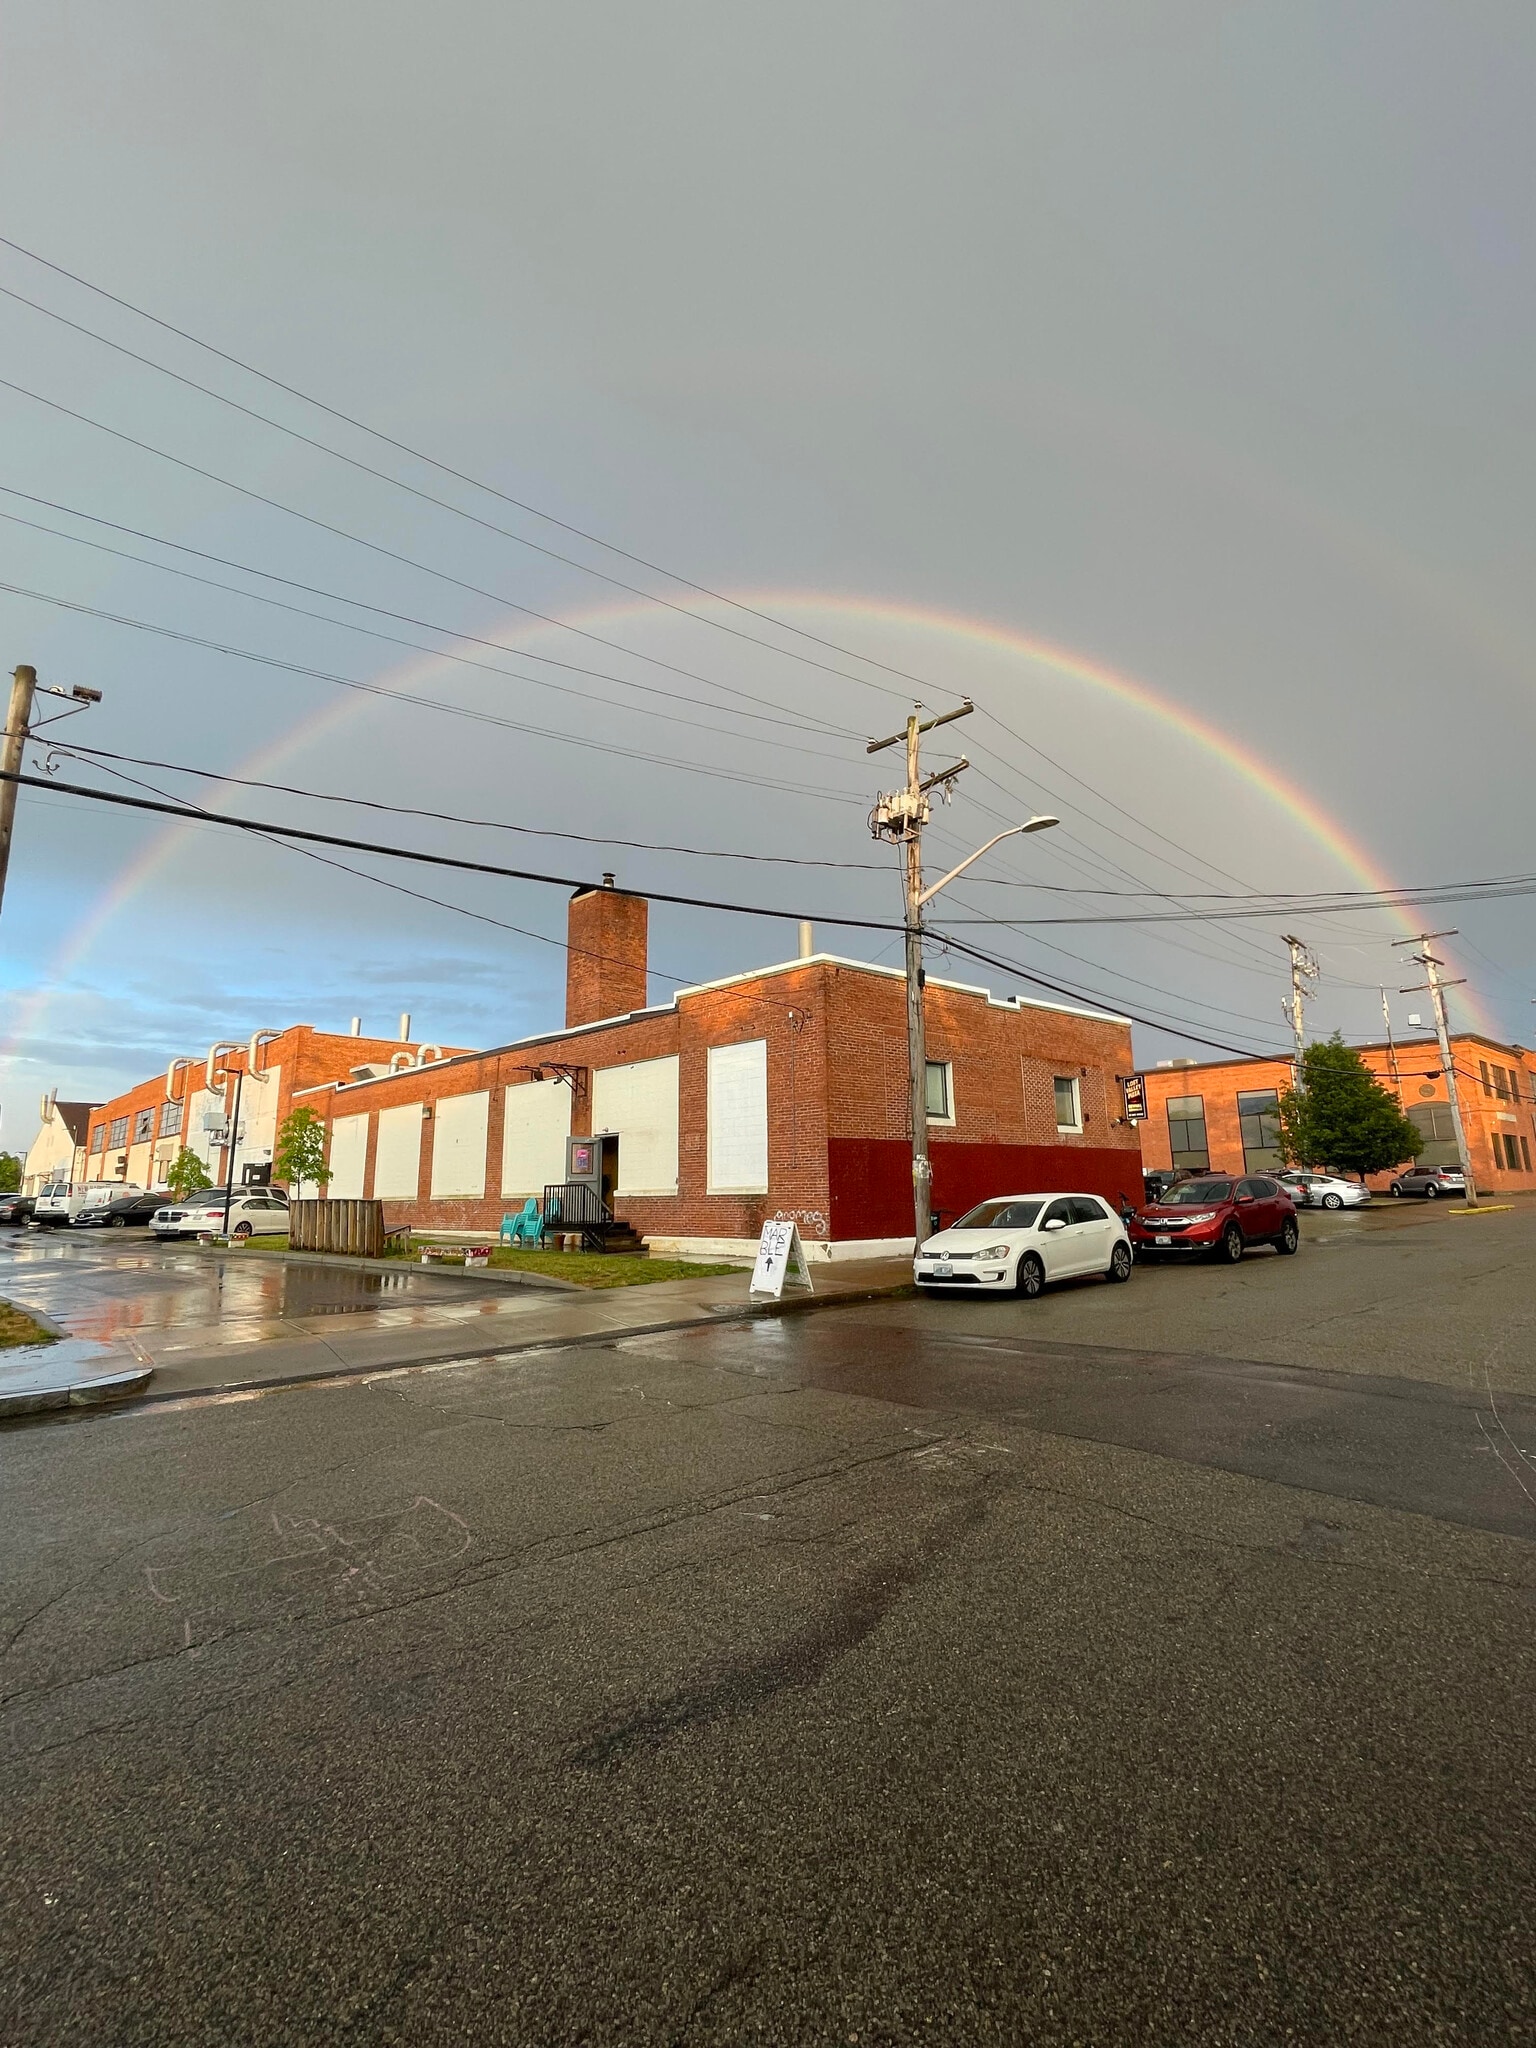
column 186, row 1175
column 10, row 1173
column 1342, row 1116
column 300, row 1154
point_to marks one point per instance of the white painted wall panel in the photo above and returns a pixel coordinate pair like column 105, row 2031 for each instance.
column 738, row 1118
column 397, row 1157
column 538, row 1122
column 458, row 1144
column 349, row 1155
column 640, row 1103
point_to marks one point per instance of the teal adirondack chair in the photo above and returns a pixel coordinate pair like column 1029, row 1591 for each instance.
column 525, row 1228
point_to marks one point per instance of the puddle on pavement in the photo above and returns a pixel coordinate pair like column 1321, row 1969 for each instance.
column 109, row 1291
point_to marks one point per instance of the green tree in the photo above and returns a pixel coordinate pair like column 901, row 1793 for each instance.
column 186, row 1175
column 300, row 1154
column 10, row 1173
column 1341, row 1115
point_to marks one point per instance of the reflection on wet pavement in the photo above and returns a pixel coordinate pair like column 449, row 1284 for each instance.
column 111, row 1291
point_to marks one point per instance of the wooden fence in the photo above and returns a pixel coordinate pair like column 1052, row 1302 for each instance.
column 340, row 1226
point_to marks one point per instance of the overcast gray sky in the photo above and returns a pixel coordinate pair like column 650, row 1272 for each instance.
column 1192, row 340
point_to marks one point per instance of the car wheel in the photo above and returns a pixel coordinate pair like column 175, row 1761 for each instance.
column 1230, row 1248
column 1031, row 1277
column 118, row 1222
column 1289, row 1238
column 1119, row 1263
column 241, row 1230
column 1333, row 1201
column 1396, row 1190
column 1431, row 1193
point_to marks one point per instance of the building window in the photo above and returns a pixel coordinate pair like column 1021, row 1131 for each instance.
column 1487, row 1084
column 98, row 1137
column 171, row 1114
column 1433, row 1121
column 143, row 1126
column 1069, row 1103
column 118, row 1135
column 1258, row 1114
column 1525, row 1155
column 940, row 1087
column 1186, row 1132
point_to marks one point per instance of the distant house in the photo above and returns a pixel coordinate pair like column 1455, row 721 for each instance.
column 58, row 1150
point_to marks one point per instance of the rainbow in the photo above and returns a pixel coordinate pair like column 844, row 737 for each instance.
column 838, row 612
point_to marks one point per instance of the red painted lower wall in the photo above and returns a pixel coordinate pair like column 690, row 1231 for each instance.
column 871, row 1179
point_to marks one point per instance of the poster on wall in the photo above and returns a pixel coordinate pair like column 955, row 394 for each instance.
column 780, row 1261
column 1135, row 1086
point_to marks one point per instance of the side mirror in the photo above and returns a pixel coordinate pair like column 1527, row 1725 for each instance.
column 1055, row 1223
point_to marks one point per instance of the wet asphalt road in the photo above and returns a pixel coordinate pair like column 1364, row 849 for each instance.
column 929, row 1671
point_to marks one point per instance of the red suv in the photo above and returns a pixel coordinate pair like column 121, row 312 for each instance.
column 1217, row 1215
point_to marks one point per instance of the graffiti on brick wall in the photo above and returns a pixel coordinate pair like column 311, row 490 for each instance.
column 811, row 1221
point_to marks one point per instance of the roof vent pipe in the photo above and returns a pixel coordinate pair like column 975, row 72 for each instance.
column 426, row 1054
column 807, row 938
column 357, row 1027
column 405, row 1025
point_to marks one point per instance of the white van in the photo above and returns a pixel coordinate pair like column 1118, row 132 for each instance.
column 62, row 1200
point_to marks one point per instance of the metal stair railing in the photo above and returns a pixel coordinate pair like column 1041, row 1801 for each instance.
column 574, row 1205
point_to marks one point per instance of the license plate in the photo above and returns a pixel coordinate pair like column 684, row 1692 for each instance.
column 1162, row 1240
column 943, row 1270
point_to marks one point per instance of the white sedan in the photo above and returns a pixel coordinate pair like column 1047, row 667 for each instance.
column 1016, row 1243
column 1331, row 1191
column 250, row 1215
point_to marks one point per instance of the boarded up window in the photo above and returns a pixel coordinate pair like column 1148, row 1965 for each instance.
column 538, row 1122
column 640, row 1103
column 738, row 1118
column 349, row 1154
column 397, row 1162
column 458, row 1148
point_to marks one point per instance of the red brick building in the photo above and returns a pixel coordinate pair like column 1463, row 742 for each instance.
column 782, row 1092
column 1222, row 1113
column 134, row 1137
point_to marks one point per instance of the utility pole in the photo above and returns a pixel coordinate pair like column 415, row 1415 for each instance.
column 19, row 728
column 1303, row 973
column 901, row 818
column 1435, row 988
column 17, row 720
column 1397, row 1079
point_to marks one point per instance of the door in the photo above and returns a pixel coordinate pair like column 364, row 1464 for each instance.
column 1095, row 1230
column 610, row 1182
column 1255, row 1211
column 1061, row 1249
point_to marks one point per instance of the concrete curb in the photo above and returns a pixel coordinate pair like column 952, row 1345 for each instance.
column 499, row 1276
column 746, row 1313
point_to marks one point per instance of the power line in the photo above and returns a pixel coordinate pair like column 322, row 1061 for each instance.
column 819, row 727
column 430, row 703
column 461, row 476
column 378, row 548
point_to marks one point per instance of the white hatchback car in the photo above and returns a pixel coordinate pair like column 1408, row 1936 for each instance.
column 256, row 1214
column 1016, row 1243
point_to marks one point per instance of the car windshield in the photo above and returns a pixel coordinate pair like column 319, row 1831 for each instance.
column 1191, row 1194
column 1000, row 1216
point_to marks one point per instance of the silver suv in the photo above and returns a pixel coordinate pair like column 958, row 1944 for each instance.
column 1431, row 1181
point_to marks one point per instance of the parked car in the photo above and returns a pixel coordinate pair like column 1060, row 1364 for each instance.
column 1016, row 1243
column 1431, row 1182
column 1218, row 1215
column 250, row 1215
column 1157, row 1180
column 121, row 1212
column 61, row 1201
column 1330, row 1191
column 16, row 1208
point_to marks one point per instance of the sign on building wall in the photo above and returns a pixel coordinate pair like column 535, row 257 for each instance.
column 458, row 1149
column 780, row 1261
column 397, row 1157
column 538, row 1122
column 349, row 1155
column 738, row 1118
column 1135, row 1087
column 639, row 1101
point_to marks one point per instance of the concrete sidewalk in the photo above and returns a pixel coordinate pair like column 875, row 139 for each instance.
column 256, row 1352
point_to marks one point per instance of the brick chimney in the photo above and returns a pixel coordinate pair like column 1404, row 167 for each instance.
column 606, row 964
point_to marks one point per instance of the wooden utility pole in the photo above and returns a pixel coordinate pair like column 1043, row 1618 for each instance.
column 1435, row 988
column 17, row 721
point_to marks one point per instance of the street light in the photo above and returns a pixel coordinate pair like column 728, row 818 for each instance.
column 917, row 1048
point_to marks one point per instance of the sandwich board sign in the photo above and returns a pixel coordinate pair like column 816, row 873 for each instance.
column 780, row 1259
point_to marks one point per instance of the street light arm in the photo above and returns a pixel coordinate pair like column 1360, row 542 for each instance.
column 1034, row 825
